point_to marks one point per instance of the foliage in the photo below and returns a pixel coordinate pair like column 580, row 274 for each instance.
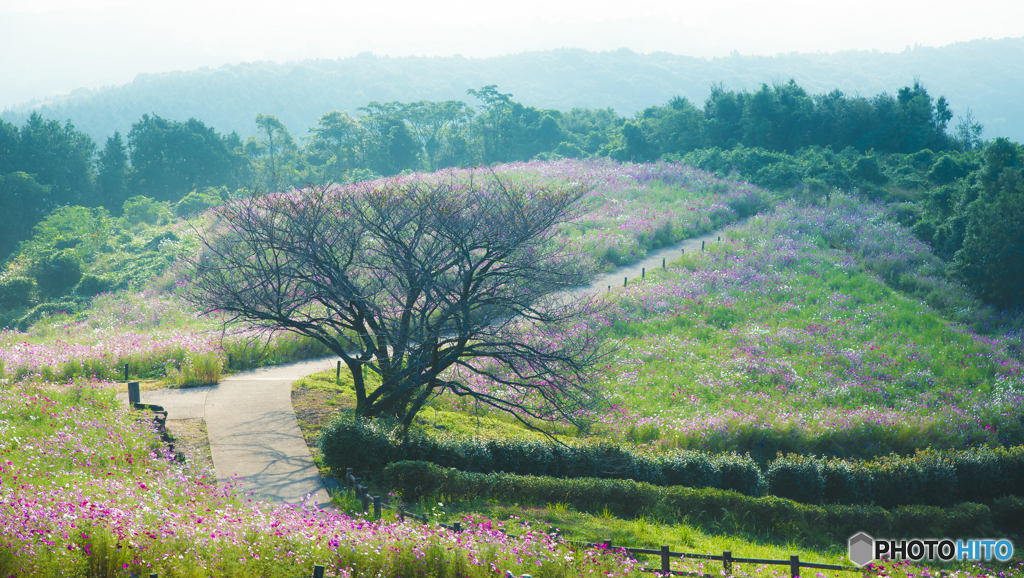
column 627, row 498
column 57, row 272
column 170, row 158
column 927, row 477
column 197, row 202
column 16, row 292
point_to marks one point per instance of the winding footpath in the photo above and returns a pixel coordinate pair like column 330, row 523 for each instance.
column 252, row 428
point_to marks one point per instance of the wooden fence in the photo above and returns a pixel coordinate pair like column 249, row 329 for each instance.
column 355, row 484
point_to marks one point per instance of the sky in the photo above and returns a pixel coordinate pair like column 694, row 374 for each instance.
column 51, row 47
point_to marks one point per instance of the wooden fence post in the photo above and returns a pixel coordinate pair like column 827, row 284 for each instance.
column 664, row 561
column 376, row 507
column 625, row 280
column 702, row 246
column 318, row 572
column 133, row 393
column 662, row 262
column 607, row 544
column 727, row 562
column 457, row 527
column 337, row 374
column 794, row 565
column 365, row 499
column 126, row 372
column 348, row 478
column 643, row 273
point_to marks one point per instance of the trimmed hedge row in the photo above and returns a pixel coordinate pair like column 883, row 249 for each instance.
column 368, row 445
column 627, row 498
column 927, row 478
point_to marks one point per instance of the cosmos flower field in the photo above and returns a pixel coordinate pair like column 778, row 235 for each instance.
column 783, row 337
column 86, row 488
column 632, row 209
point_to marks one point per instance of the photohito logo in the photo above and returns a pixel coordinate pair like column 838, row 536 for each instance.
column 864, row 549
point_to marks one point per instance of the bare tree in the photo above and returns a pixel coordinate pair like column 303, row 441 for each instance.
column 436, row 283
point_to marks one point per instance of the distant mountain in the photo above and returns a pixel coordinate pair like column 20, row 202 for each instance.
column 986, row 76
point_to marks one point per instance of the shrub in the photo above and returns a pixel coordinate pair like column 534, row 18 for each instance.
column 927, row 478
column 415, row 480
column 691, row 469
column 57, row 272
column 197, row 202
column 141, row 209
column 16, row 292
column 739, row 473
column 796, row 477
column 92, row 285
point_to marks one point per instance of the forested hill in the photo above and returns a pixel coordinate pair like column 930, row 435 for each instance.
column 986, row 75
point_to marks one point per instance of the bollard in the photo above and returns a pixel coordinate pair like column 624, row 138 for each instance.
column 133, row 393
column 625, row 280
column 643, row 273
column 727, row 562
column 126, row 372
column 662, row 262
column 794, row 565
column 337, row 374
column 376, row 507
column 318, row 572
column 702, row 246
column 664, row 560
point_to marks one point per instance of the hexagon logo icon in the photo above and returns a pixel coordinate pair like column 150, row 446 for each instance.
column 862, row 548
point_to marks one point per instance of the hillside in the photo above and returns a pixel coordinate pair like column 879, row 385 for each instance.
column 985, row 75
column 801, row 329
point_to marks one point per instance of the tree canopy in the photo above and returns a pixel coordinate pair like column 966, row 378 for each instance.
column 447, row 283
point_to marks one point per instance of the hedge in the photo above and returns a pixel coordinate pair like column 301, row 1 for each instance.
column 927, row 478
column 414, row 480
column 368, row 445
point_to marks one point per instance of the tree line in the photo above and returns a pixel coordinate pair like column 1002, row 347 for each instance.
column 795, row 136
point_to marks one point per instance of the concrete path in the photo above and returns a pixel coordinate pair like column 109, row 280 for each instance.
column 651, row 262
column 254, row 434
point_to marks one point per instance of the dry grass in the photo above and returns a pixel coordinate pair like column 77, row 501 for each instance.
column 190, row 437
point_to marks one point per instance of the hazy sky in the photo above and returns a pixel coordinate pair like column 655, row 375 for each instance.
column 50, row 47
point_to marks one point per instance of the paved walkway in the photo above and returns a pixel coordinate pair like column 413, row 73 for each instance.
column 252, row 427
column 253, row 431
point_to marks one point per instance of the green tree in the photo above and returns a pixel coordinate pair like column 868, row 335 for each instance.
column 277, row 162
column 991, row 260
column 391, row 146
column 334, row 146
column 23, row 202
column 58, row 156
column 113, row 173
column 170, row 158
column 10, row 148
column 442, row 131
